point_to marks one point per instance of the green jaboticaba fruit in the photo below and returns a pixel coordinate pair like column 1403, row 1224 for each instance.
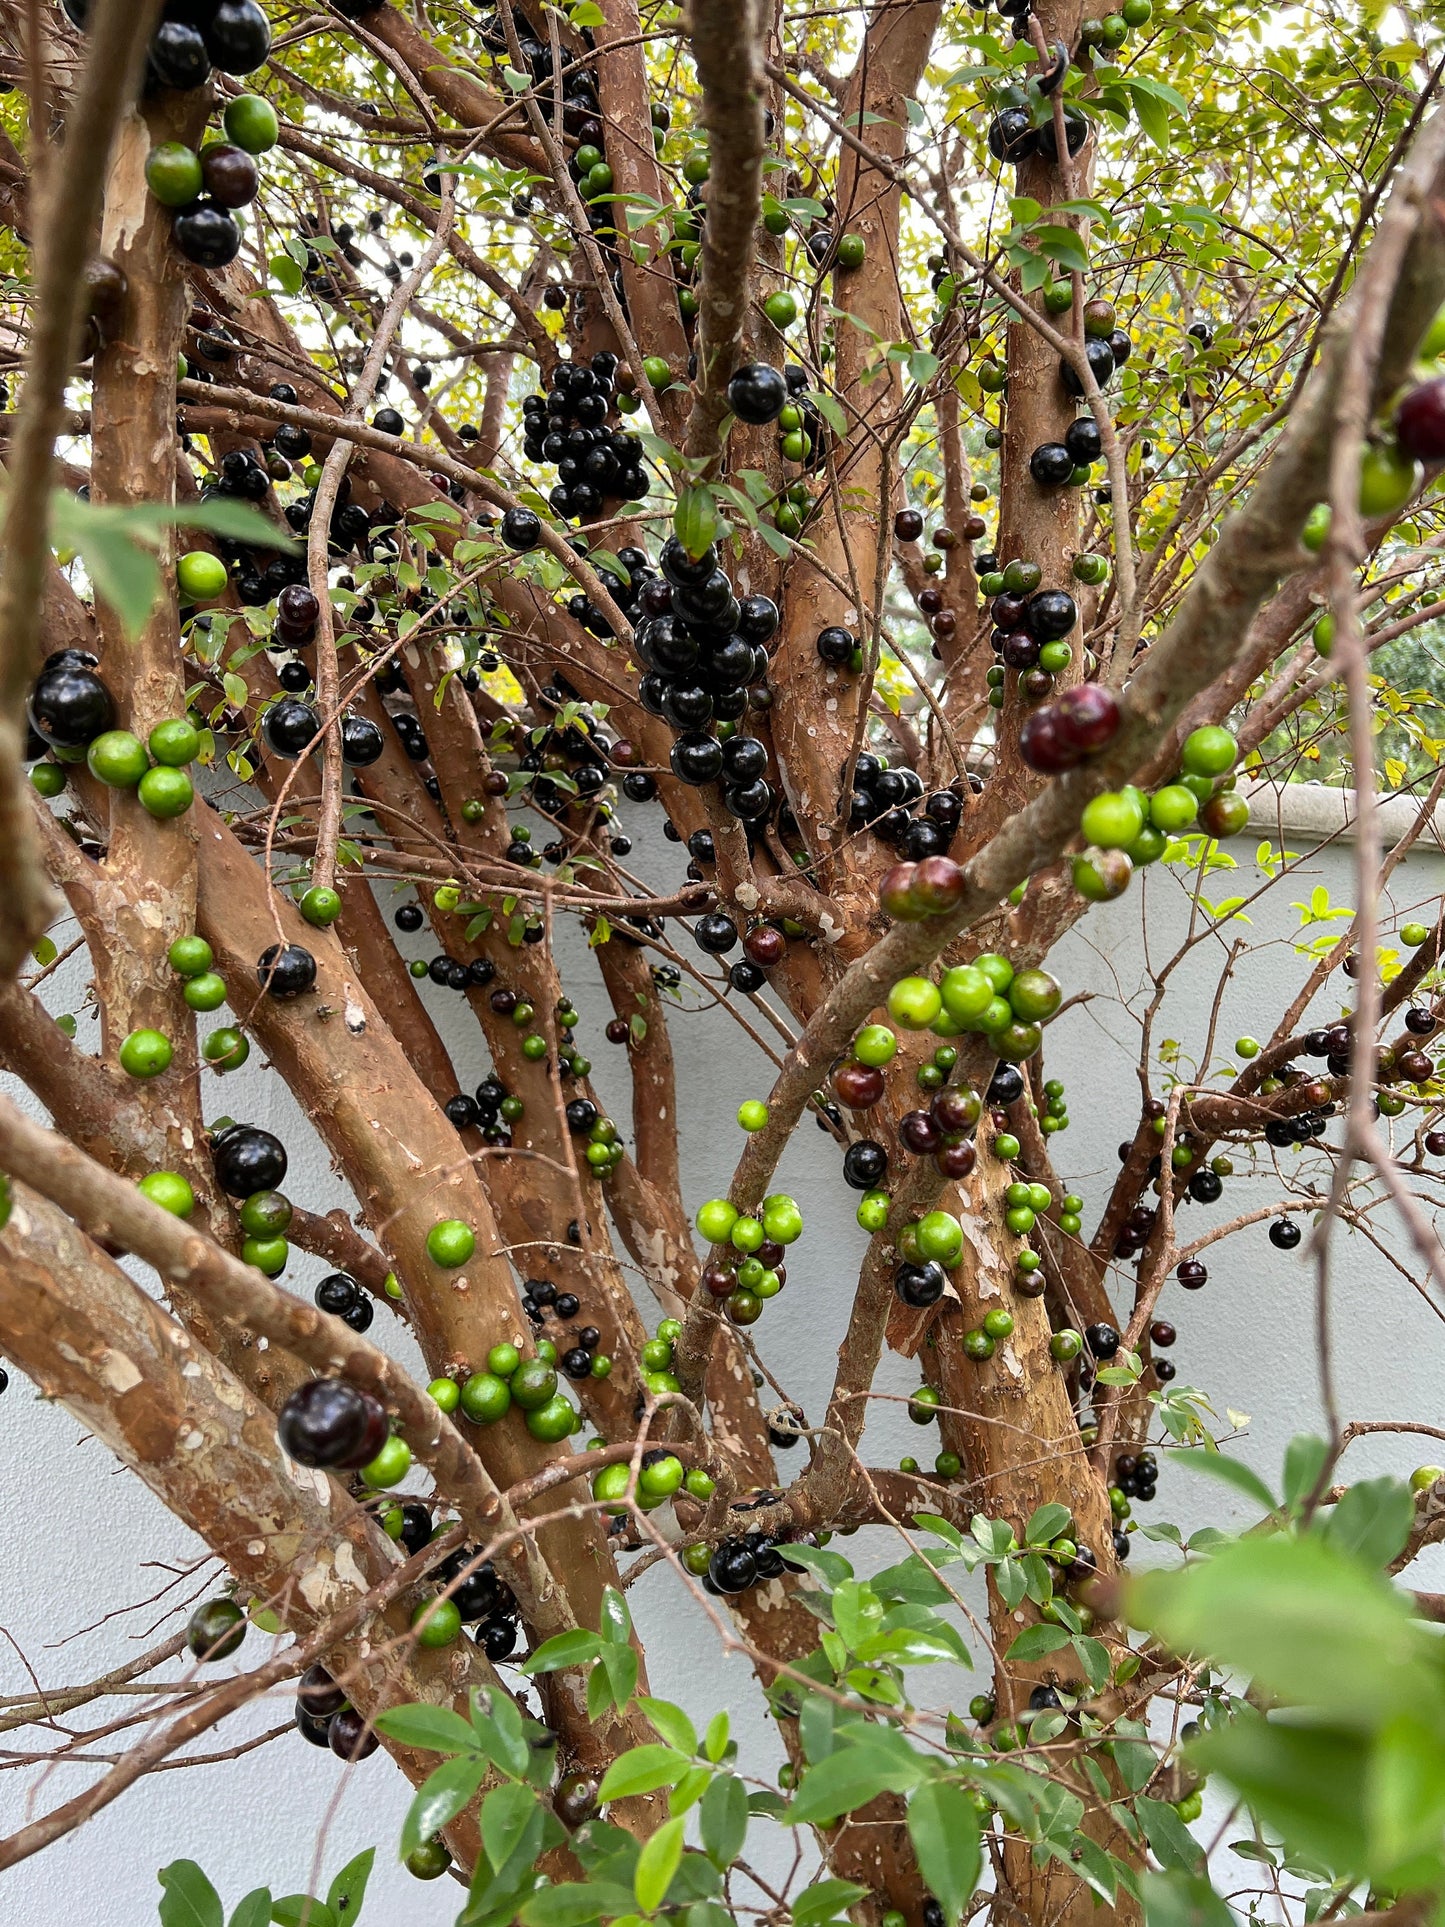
column 782, row 1220
column 1112, row 820
column 47, row 779
column 117, row 759
column 965, row 993
column 1323, row 635
column 852, row 251
column 436, row 1622
column 1102, row 875
column 165, row 793
column 1387, row 480
column 173, row 174
column 450, row 1243
column 914, row 1002
column 1034, row 996
column 206, row 991
column 1015, row 1041
column 266, row 1254
column 251, row 123
column 175, row 742
column 1173, row 808
column 781, row 309
column 1210, row 751
column 533, row 1383
column 485, row 1398
column 320, row 906
column 609, row 1486
column 146, row 1053
column 389, row 1467
column 1315, row 532
column 553, row 1421
column 265, row 1214
column 875, row 1045
column 715, row 1219
column 170, row 1191
column 226, row 1048
column 940, row 1237
column 1148, row 846
column 201, row 576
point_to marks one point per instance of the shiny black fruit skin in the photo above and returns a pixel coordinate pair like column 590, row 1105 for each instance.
column 1284, row 1234
column 207, row 235
column 733, row 1567
column 919, row 1285
column 1076, row 132
column 695, row 759
column 1083, row 441
column 1051, row 465
column 1100, row 357
column 521, row 529
column 289, row 726
column 1102, row 1340
column 498, row 1638
column 285, row 970
column 238, row 36
column 1011, row 137
column 329, row 1424
column 318, row 1694
column 231, row 175
column 317, row 1731
column 757, row 393
column 248, row 1159
column 337, row 1293
column 69, row 705
column 178, row 57
column 865, row 1164
column 361, row 741
column 1050, row 614
column 349, row 1737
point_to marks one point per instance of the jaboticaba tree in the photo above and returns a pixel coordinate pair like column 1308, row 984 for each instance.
column 935, row 465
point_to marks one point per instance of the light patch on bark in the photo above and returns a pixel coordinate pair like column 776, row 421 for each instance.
column 117, row 1373
column 829, row 928
column 355, row 1019
column 307, row 1479
column 191, row 1441
column 748, row 895
column 347, row 1570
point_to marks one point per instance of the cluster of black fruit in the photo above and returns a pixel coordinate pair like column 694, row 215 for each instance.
column 325, row 1717
column 483, row 1599
column 702, row 649
column 69, row 704
column 887, row 801
column 196, row 35
column 340, row 1294
column 541, row 1300
column 1137, row 1474
column 737, row 1564
column 566, row 428
column 350, row 523
column 290, row 725
column 1023, row 126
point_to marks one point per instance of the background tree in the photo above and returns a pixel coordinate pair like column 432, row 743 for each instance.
column 895, row 441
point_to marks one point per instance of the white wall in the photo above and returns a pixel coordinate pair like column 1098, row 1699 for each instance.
column 84, row 1540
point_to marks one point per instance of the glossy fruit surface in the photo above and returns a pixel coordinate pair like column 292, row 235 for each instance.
column 1112, row 819
column 247, row 1159
column 1388, row 478
column 175, row 742
column 781, row 309
column 173, row 174
column 69, row 704
column 450, row 1243
column 165, row 793
column 320, row 906
column 757, row 393
column 436, row 1622
column 170, row 1191
column 237, row 35
column 329, row 1423
column 251, row 122
column 201, row 576
column 914, row 1002
column 1209, row 751
column 215, row 1629
column 206, row 991
column 146, row 1053
column 117, row 758
column 389, row 1466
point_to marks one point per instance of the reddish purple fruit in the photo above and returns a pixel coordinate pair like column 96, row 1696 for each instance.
column 1045, row 745
column 1088, row 716
column 858, row 1086
column 938, row 885
column 895, row 894
column 1420, row 422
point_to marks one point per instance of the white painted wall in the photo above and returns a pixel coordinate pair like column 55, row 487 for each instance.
column 84, row 1539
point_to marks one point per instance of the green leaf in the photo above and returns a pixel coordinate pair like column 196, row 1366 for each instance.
column 616, row 1625
column 1229, row 1472
column 1183, row 1900
column 1153, row 118
column 656, row 1865
column 347, row 1891
column 1302, row 1783
column 1172, row 1842
column 586, row 13
column 1046, row 1524
column 825, row 1900
column 254, row 1909
column 287, row 276
column 857, row 1612
column 852, row 1777
column 576, row 1904
column 830, row 1567
column 302, row 1910
column 497, row 1726
column 715, row 1740
column 432, row 1729
column 614, row 1680
column 1063, row 245
column 944, row 1828
column 440, row 1798
column 671, row 1722
column 189, row 1899
column 1306, row 1620
column 643, row 1769
column 696, row 521
column 724, row 1818
column 1372, row 1520
column 1304, row 1460
column 573, row 1648
column 505, row 1814
column 1036, row 1642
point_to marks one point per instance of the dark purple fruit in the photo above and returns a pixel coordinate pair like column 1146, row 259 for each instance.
column 247, row 1159
column 757, row 393
column 178, row 57
column 231, row 175
column 69, row 704
column 285, row 970
column 207, row 235
column 329, row 1424
column 238, row 36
